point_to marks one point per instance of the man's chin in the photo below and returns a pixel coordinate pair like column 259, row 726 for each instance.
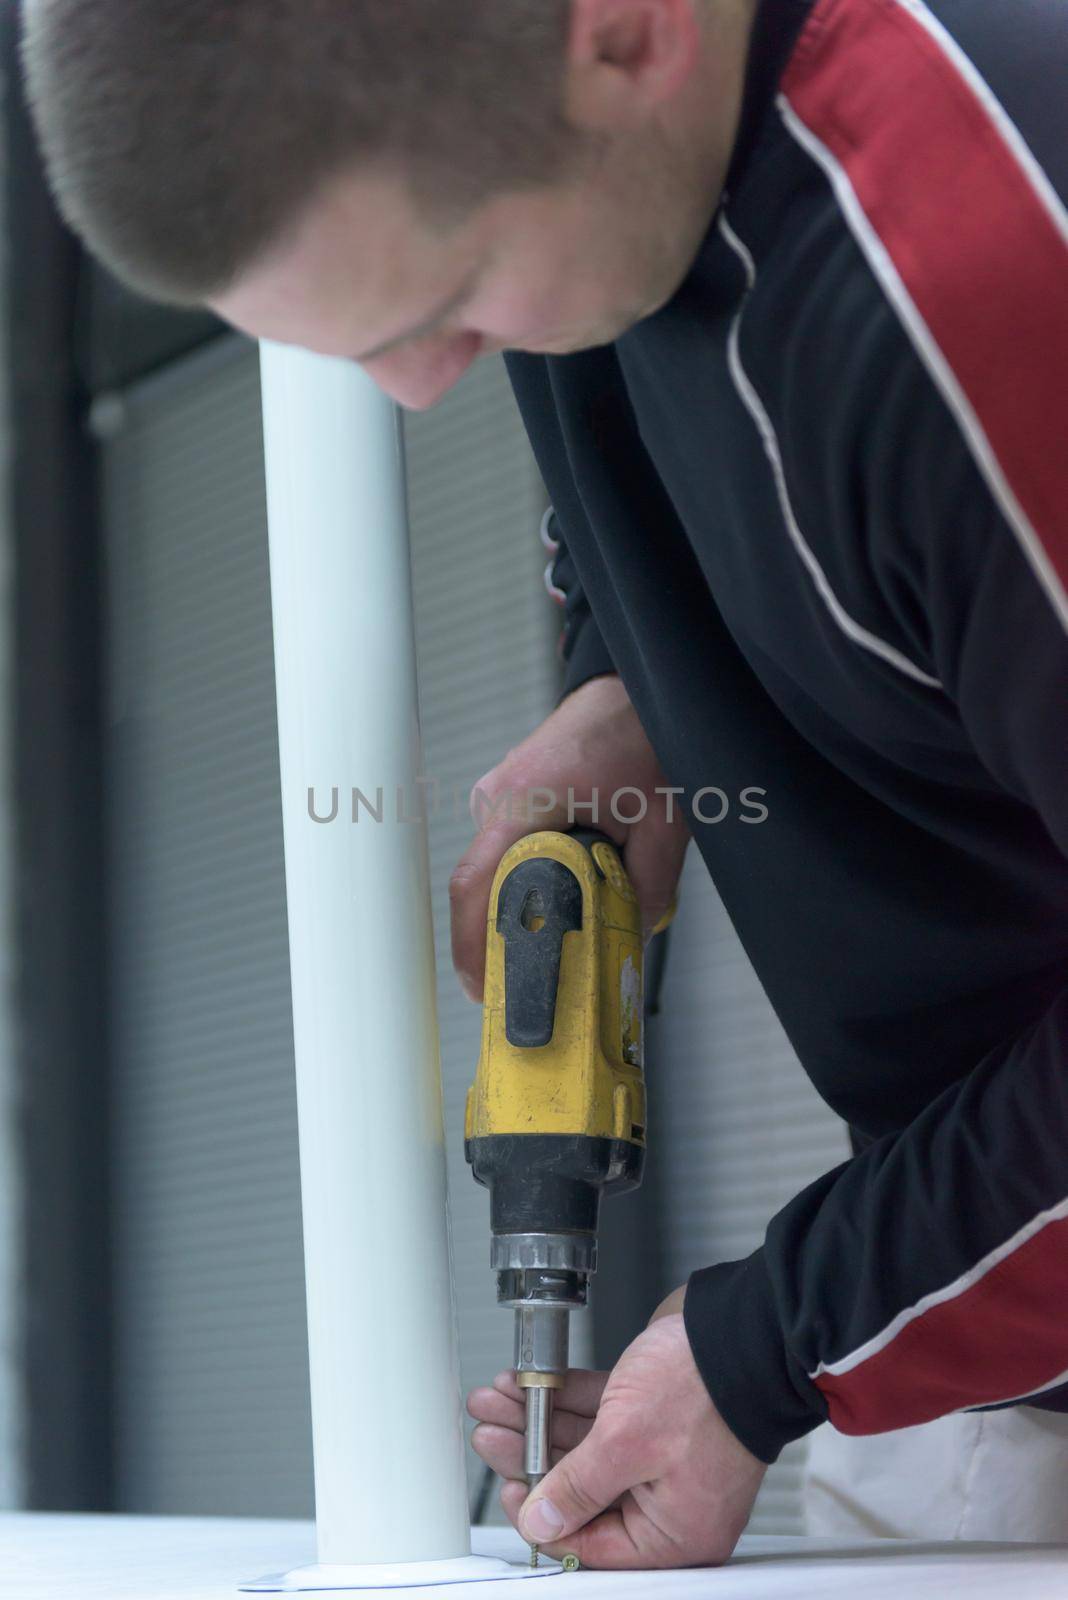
column 573, row 344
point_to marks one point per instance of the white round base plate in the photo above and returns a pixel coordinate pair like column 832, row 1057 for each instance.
column 399, row 1575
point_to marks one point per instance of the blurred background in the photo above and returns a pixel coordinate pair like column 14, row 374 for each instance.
column 152, row 1342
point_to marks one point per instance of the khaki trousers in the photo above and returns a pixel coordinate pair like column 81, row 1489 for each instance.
column 979, row 1475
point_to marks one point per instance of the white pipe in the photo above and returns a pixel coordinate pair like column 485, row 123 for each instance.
column 386, row 1415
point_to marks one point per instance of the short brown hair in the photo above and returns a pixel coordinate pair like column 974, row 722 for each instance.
column 183, row 137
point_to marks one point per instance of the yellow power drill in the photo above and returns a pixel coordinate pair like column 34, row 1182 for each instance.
column 556, row 1115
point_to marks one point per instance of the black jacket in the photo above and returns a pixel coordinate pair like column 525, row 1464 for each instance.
column 814, row 512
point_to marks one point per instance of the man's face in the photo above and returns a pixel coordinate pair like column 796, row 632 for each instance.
column 552, row 270
column 652, row 89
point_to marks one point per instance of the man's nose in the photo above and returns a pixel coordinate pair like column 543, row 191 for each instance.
column 419, row 374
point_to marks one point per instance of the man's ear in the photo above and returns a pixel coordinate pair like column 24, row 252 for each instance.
column 625, row 58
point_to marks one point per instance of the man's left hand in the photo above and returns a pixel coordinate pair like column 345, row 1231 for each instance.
column 647, row 1474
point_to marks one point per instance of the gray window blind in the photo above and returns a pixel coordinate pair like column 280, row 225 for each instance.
column 211, row 1386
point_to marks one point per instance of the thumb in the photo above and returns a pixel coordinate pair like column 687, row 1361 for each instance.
column 588, row 1480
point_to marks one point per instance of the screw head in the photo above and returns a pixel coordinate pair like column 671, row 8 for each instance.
column 571, row 1563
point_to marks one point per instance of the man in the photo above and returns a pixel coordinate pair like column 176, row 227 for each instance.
column 782, row 286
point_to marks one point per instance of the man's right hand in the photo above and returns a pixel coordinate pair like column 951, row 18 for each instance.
column 593, row 741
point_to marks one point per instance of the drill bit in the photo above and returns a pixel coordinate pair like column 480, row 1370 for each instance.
column 532, row 1484
column 539, row 1433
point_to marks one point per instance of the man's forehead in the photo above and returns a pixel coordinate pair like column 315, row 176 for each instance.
column 356, row 264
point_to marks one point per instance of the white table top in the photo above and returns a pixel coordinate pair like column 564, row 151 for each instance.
column 183, row 1558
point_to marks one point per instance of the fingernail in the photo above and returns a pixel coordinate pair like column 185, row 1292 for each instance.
column 542, row 1522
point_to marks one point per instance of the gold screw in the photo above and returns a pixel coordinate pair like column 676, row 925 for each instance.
column 571, row 1563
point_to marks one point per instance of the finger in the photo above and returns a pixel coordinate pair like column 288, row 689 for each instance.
column 514, row 1492
column 621, row 1538
column 469, row 892
column 490, row 1406
column 653, row 858
column 502, row 1450
column 577, row 1490
column 581, row 1392
column 508, row 803
column 469, row 888
column 606, row 1542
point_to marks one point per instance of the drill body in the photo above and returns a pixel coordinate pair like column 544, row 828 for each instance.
column 556, row 1115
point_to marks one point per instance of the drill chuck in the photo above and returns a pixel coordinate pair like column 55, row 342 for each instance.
column 543, row 1268
column 543, row 1277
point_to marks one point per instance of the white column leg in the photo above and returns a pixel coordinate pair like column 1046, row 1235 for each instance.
column 388, row 1441
column 390, row 1489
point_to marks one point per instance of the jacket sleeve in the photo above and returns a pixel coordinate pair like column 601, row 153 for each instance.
column 929, row 1274
column 580, row 645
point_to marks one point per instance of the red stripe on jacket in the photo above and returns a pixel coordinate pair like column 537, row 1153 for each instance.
column 941, row 186
column 1004, row 1336
column 986, row 267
